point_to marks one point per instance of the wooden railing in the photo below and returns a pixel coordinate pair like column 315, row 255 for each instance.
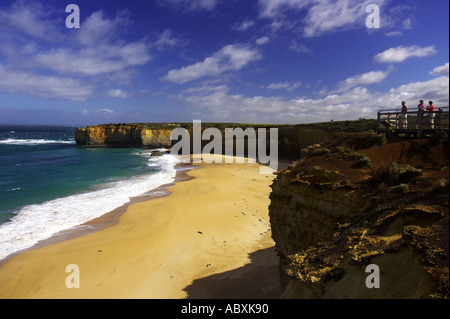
column 418, row 122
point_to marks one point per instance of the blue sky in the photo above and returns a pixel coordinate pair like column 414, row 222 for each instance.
column 248, row 61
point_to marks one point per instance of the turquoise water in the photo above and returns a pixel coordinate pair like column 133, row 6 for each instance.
column 48, row 184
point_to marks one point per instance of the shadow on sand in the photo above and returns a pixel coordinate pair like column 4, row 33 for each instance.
column 257, row 280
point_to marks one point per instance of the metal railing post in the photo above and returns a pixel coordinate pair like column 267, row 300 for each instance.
column 440, row 120
column 378, row 122
column 419, row 123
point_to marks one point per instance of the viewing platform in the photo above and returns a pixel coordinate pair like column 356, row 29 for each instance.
column 416, row 123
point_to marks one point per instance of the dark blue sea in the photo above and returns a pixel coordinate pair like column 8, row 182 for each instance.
column 48, row 184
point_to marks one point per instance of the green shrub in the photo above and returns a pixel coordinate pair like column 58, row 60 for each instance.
column 364, row 160
column 319, row 152
column 340, row 135
column 349, row 154
column 394, row 174
column 340, row 149
column 380, row 139
column 406, row 172
column 400, row 189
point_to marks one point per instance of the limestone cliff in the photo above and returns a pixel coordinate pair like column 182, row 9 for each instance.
column 291, row 138
column 343, row 207
column 126, row 135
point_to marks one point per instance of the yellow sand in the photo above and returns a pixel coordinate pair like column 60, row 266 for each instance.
column 196, row 242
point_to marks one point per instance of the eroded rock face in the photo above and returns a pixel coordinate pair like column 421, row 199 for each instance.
column 307, row 206
column 156, row 138
column 411, row 258
column 330, row 220
column 304, row 213
column 122, row 136
column 291, row 139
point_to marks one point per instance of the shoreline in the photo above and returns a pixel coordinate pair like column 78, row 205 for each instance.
column 111, row 218
column 113, row 221
column 108, row 219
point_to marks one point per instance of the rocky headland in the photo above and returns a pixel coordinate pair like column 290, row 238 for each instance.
column 124, row 135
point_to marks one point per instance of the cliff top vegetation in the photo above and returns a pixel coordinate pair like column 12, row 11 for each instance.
column 361, row 125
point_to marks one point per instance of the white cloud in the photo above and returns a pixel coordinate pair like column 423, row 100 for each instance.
column 331, row 15
column 29, row 18
column 401, row 53
column 322, row 16
column 190, row 5
column 354, row 103
column 394, row 34
column 407, row 24
column 167, row 41
column 436, row 90
column 441, row 70
column 97, row 28
column 244, row 25
column 273, row 8
column 117, row 93
column 12, row 81
column 204, row 88
column 94, row 60
column 363, row 79
column 230, row 58
column 299, row 48
column 107, row 111
column 288, row 86
column 265, row 109
column 96, row 48
column 50, row 63
column 262, row 40
column 103, row 48
column 85, row 112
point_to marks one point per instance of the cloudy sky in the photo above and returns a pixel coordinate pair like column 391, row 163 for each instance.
column 248, row 61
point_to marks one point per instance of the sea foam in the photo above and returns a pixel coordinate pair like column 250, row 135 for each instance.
column 16, row 141
column 34, row 223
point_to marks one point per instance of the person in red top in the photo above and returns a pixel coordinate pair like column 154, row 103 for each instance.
column 431, row 115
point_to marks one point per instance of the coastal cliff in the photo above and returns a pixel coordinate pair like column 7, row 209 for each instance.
column 123, row 135
column 291, row 138
column 360, row 201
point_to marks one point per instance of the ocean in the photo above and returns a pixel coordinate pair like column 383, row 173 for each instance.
column 48, row 184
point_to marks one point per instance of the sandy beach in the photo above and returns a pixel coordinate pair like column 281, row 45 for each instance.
column 209, row 238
